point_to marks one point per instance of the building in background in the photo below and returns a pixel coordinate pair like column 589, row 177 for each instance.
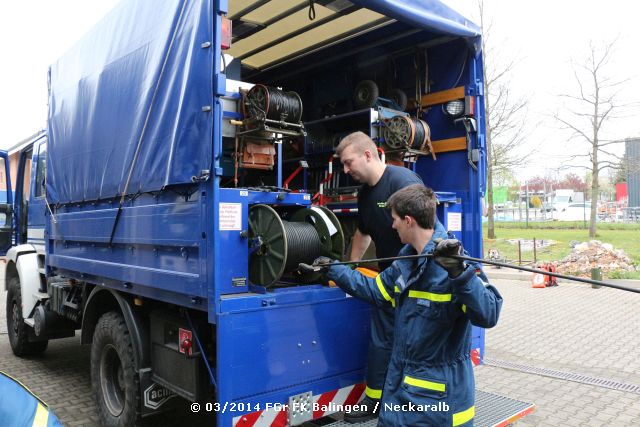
column 632, row 147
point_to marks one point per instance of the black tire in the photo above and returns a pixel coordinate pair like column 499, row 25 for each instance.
column 399, row 97
column 16, row 328
column 114, row 379
column 366, row 94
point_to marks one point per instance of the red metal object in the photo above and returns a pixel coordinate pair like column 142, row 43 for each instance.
column 323, row 405
column 290, row 177
column 475, row 356
column 320, row 194
column 185, row 338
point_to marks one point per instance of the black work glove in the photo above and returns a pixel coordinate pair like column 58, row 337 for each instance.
column 444, row 249
column 320, row 264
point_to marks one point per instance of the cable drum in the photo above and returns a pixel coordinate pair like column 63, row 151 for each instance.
column 266, row 102
column 423, row 134
column 304, row 243
column 404, row 132
column 278, row 246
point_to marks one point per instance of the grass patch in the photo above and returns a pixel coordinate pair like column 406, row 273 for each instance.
column 624, row 275
column 566, row 225
column 621, row 236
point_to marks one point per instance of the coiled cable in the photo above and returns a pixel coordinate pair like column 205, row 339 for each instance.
column 274, row 104
column 303, row 242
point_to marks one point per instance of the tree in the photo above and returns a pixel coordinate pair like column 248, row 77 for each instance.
column 573, row 182
column 619, row 174
column 538, row 183
column 624, row 168
column 595, row 104
column 505, row 116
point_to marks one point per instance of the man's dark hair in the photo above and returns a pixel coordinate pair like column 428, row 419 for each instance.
column 418, row 202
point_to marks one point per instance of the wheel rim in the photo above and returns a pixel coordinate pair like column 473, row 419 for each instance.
column 15, row 317
column 112, row 380
column 266, row 265
column 398, row 132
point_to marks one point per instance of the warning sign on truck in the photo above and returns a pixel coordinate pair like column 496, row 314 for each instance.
column 230, row 216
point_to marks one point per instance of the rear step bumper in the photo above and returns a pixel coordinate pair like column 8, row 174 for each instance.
column 492, row 410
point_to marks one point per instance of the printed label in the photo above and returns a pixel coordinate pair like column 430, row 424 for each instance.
column 230, row 216
column 454, row 221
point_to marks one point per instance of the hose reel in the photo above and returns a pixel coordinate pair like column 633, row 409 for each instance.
column 278, row 245
column 407, row 133
column 269, row 103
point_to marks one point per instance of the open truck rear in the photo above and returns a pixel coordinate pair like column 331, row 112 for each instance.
column 190, row 168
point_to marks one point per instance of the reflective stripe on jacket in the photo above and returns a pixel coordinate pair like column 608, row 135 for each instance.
column 430, row 376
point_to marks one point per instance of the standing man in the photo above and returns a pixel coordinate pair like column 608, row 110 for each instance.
column 436, row 299
column 359, row 157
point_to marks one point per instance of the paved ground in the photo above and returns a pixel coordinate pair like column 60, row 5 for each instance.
column 61, row 378
column 571, row 328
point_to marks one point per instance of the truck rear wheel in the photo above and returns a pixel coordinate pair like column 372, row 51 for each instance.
column 115, row 383
column 17, row 329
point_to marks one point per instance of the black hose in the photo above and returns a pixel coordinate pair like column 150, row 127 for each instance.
column 500, row 264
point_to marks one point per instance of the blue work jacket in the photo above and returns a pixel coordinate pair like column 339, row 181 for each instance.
column 20, row 407
column 430, row 377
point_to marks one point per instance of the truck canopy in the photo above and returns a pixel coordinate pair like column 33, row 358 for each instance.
column 126, row 103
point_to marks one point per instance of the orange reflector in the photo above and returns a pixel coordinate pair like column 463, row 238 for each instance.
column 225, row 39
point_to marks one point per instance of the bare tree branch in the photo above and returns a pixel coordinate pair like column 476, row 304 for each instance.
column 594, row 106
column 506, row 116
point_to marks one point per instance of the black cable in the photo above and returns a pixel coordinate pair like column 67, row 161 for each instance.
column 274, row 104
column 420, row 134
column 312, row 11
column 303, row 243
column 212, row 377
column 499, row 264
column 464, row 64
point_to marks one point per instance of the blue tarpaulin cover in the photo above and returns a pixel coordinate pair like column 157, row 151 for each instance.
column 129, row 98
column 432, row 15
column 138, row 81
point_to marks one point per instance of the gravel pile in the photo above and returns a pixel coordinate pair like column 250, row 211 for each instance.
column 588, row 255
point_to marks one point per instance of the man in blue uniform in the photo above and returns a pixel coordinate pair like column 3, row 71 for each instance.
column 360, row 160
column 436, row 300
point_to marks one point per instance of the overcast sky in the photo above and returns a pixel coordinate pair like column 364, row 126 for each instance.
column 543, row 35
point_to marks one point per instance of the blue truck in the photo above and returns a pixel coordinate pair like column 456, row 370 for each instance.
column 187, row 168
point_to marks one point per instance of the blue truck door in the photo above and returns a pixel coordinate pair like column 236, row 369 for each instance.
column 37, row 190
column 6, row 205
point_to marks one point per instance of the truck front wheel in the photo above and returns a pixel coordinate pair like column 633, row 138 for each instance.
column 17, row 329
column 113, row 376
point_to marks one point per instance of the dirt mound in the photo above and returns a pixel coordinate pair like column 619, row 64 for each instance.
column 588, row 255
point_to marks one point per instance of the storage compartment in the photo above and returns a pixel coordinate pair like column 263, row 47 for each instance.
column 175, row 367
